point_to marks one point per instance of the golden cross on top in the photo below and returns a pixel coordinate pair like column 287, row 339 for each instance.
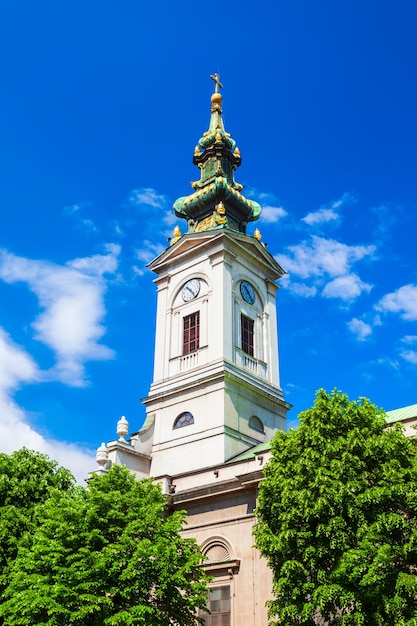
column 216, row 78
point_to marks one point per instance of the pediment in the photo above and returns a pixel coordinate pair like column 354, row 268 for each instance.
column 240, row 244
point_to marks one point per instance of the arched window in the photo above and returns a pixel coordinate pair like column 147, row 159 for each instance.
column 256, row 424
column 220, row 563
column 217, row 551
column 184, row 419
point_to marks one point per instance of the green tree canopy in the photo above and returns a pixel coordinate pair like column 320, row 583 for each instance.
column 27, row 478
column 108, row 554
column 337, row 518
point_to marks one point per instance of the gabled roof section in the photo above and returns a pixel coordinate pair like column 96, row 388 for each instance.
column 400, row 415
column 238, row 243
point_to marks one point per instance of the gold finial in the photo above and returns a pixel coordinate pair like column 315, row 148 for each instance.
column 176, row 235
column 216, row 78
column 216, row 97
column 257, row 234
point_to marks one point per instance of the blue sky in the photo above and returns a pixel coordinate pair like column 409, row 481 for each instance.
column 102, row 104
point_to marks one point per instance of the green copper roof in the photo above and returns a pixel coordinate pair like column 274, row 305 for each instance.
column 252, row 452
column 217, row 201
column 398, row 415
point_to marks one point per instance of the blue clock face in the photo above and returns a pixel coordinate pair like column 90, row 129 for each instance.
column 247, row 291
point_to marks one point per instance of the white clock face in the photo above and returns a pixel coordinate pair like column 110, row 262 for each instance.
column 247, row 291
column 190, row 290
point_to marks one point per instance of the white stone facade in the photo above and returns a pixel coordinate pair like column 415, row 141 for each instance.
column 220, row 385
column 212, row 466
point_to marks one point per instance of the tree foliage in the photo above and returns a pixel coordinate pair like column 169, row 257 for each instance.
column 337, row 518
column 27, row 478
column 107, row 554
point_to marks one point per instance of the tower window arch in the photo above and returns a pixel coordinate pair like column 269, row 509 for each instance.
column 256, row 424
column 184, row 419
column 247, row 333
column 191, row 333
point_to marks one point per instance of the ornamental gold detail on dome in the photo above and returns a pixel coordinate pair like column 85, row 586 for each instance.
column 217, row 201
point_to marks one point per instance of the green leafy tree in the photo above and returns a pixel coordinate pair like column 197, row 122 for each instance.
column 337, row 518
column 108, row 554
column 27, row 478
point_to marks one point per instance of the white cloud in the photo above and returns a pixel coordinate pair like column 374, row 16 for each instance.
column 320, row 217
column 88, row 225
column 348, row 287
column 409, row 355
column 361, row 329
column 72, row 302
column 402, row 301
column 16, row 368
column 347, row 198
column 70, row 323
column 300, row 289
column 145, row 254
column 272, row 214
column 147, row 196
column 325, row 262
column 157, row 206
column 98, row 264
column 322, row 257
column 328, row 212
column 16, row 365
column 72, row 208
column 118, row 229
column 409, row 339
column 73, row 211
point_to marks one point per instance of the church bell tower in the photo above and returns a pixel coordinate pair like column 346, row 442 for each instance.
column 216, row 390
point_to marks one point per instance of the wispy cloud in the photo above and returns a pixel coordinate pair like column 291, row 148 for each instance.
column 409, row 354
column 158, row 209
column 17, row 368
column 402, row 301
column 147, row 196
column 325, row 262
column 320, row 217
column 71, row 299
column 348, row 287
column 70, row 323
column 74, row 211
column 300, row 289
column 409, row 339
column 322, row 256
column 272, row 214
column 88, row 225
column 145, row 254
column 386, row 217
column 16, row 365
column 360, row 329
column 328, row 212
column 272, row 211
column 70, row 209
